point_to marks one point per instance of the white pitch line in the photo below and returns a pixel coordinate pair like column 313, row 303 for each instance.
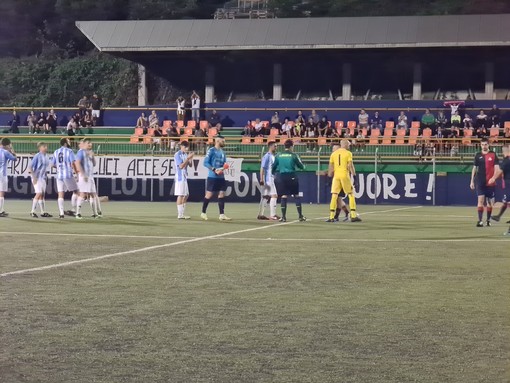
column 149, row 248
column 358, row 240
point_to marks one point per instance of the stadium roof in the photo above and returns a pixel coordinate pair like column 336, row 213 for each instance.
column 304, row 33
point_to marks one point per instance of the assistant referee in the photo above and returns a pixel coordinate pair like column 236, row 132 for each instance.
column 287, row 183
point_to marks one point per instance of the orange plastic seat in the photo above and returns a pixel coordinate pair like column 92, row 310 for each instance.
column 134, row 139
column 351, row 126
column 493, row 135
column 167, row 124
column 427, row 133
column 212, row 132
column 374, row 137
column 400, row 140
column 468, row 134
column 415, row 124
column 274, row 132
column 246, row 140
column 322, row 141
column 389, row 125
column 138, row 132
column 258, row 140
column 180, row 123
column 192, row 124
column 188, row 131
column 204, row 124
column 387, row 135
column 413, row 135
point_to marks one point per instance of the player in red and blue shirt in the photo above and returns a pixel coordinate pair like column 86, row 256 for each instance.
column 504, row 170
column 485, row 164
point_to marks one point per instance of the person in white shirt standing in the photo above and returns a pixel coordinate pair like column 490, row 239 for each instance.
column 195, row 107
column 39, row 171
column 269, row 194
column 65, row 162
column 180, row 108
column 86, row 184
column 6, row 154
column 181, row 161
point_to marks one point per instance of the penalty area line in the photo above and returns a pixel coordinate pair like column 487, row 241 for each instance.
column 140, row 250
column 94, row 235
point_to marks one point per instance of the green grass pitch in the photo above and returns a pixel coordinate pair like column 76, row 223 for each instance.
column 411, row 294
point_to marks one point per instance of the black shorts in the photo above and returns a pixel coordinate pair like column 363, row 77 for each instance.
column 487, row 191
column 216, row 184
column 287, row 184
column 506, row 192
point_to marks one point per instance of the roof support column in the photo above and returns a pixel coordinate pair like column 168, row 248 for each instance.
column 277, row 81
column 489, row 80
column 209, row 83
column 346, row 81
column 417, row 75
column 143, row 97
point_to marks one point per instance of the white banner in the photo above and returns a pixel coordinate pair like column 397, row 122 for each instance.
column 137, row 168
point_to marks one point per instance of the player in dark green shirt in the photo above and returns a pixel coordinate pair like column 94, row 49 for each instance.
column 287, row 183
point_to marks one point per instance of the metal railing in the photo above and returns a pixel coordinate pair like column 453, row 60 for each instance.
column 445, row 150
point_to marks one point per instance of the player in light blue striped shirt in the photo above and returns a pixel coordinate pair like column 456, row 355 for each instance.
column 181, row 161
column 86, row 183
column 65, row 162
column 6, row 154
column 38, row 169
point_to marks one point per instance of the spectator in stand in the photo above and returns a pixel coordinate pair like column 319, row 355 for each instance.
column 72, row 127
column 87, row 121
column 158, row 138
column 248, row 129
column 258, row 128
column 362, row 120
column 153, row 120
column 506, row 132
column 427, row 121
column 481, row 131
column 275, row 121
column 173, row 135
column 286, row 129
column 195, row 107
column 315, row 117
column 298, row 128
column 456, row 120
column 42, row 123
column 142, row 123
column 32, row 123
column 324, row 128
column 181, row 108
column 300, row 117
column 218, row 127
column 52, row 121
column 376, row 122
column 200, row 140
column 83, row 105
column 467, row 122
column 214, row 118
column 13, row 123
column 96, row 103
column 441, row 122
column 494, row 117
column 402, row 121
column 359, row 142
column 482, row 120
column 311, row 133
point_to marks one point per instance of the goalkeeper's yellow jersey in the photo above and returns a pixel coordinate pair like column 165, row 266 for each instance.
column 340, row 159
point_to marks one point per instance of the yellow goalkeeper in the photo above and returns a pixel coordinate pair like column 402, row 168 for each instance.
column 341, row 168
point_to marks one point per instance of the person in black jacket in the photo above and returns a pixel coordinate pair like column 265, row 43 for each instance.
column 13, row 124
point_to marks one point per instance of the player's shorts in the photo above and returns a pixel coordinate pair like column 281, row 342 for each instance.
column 88, row 186
column 3, row 184
column 181, row 188
column 269, row 188
column 341, row 184
column 287, row 184
column 65, row 185
column 487, row 191
column 40, row 186
column 96, row 113
column 216, row 184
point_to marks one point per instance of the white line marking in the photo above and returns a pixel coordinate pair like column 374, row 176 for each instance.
column 94, row 235
column 358, row 240
column 391, row 210
column 149, row 248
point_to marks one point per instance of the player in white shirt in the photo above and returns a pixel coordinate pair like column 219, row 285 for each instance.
column 269, row 194
column 86, row 184
column 39, row 172
column 6, row 154
column 65, row 162
column 181, row 161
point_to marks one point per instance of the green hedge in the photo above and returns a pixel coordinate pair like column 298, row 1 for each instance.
column 44, row 82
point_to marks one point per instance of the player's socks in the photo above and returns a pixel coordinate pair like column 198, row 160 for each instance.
column 79, row 202
column 262, row 205
column 74, row 200
column 337, row 213
column 60, row 203
column 272, row 206
column 205, row 204
column 299, row 207
column 98, row 205
column 480, row 214
column 183, row 209
column 2, row 201
column 93, row 205
column 352, row 205
column 501, row 211
column 42, row 206
column 221, row 205
column 284, row 208
column 34, row 205
column 489, row 213
column 333, row 206
column 180, row 211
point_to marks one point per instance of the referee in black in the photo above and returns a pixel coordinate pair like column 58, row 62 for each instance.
column 287, row 183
